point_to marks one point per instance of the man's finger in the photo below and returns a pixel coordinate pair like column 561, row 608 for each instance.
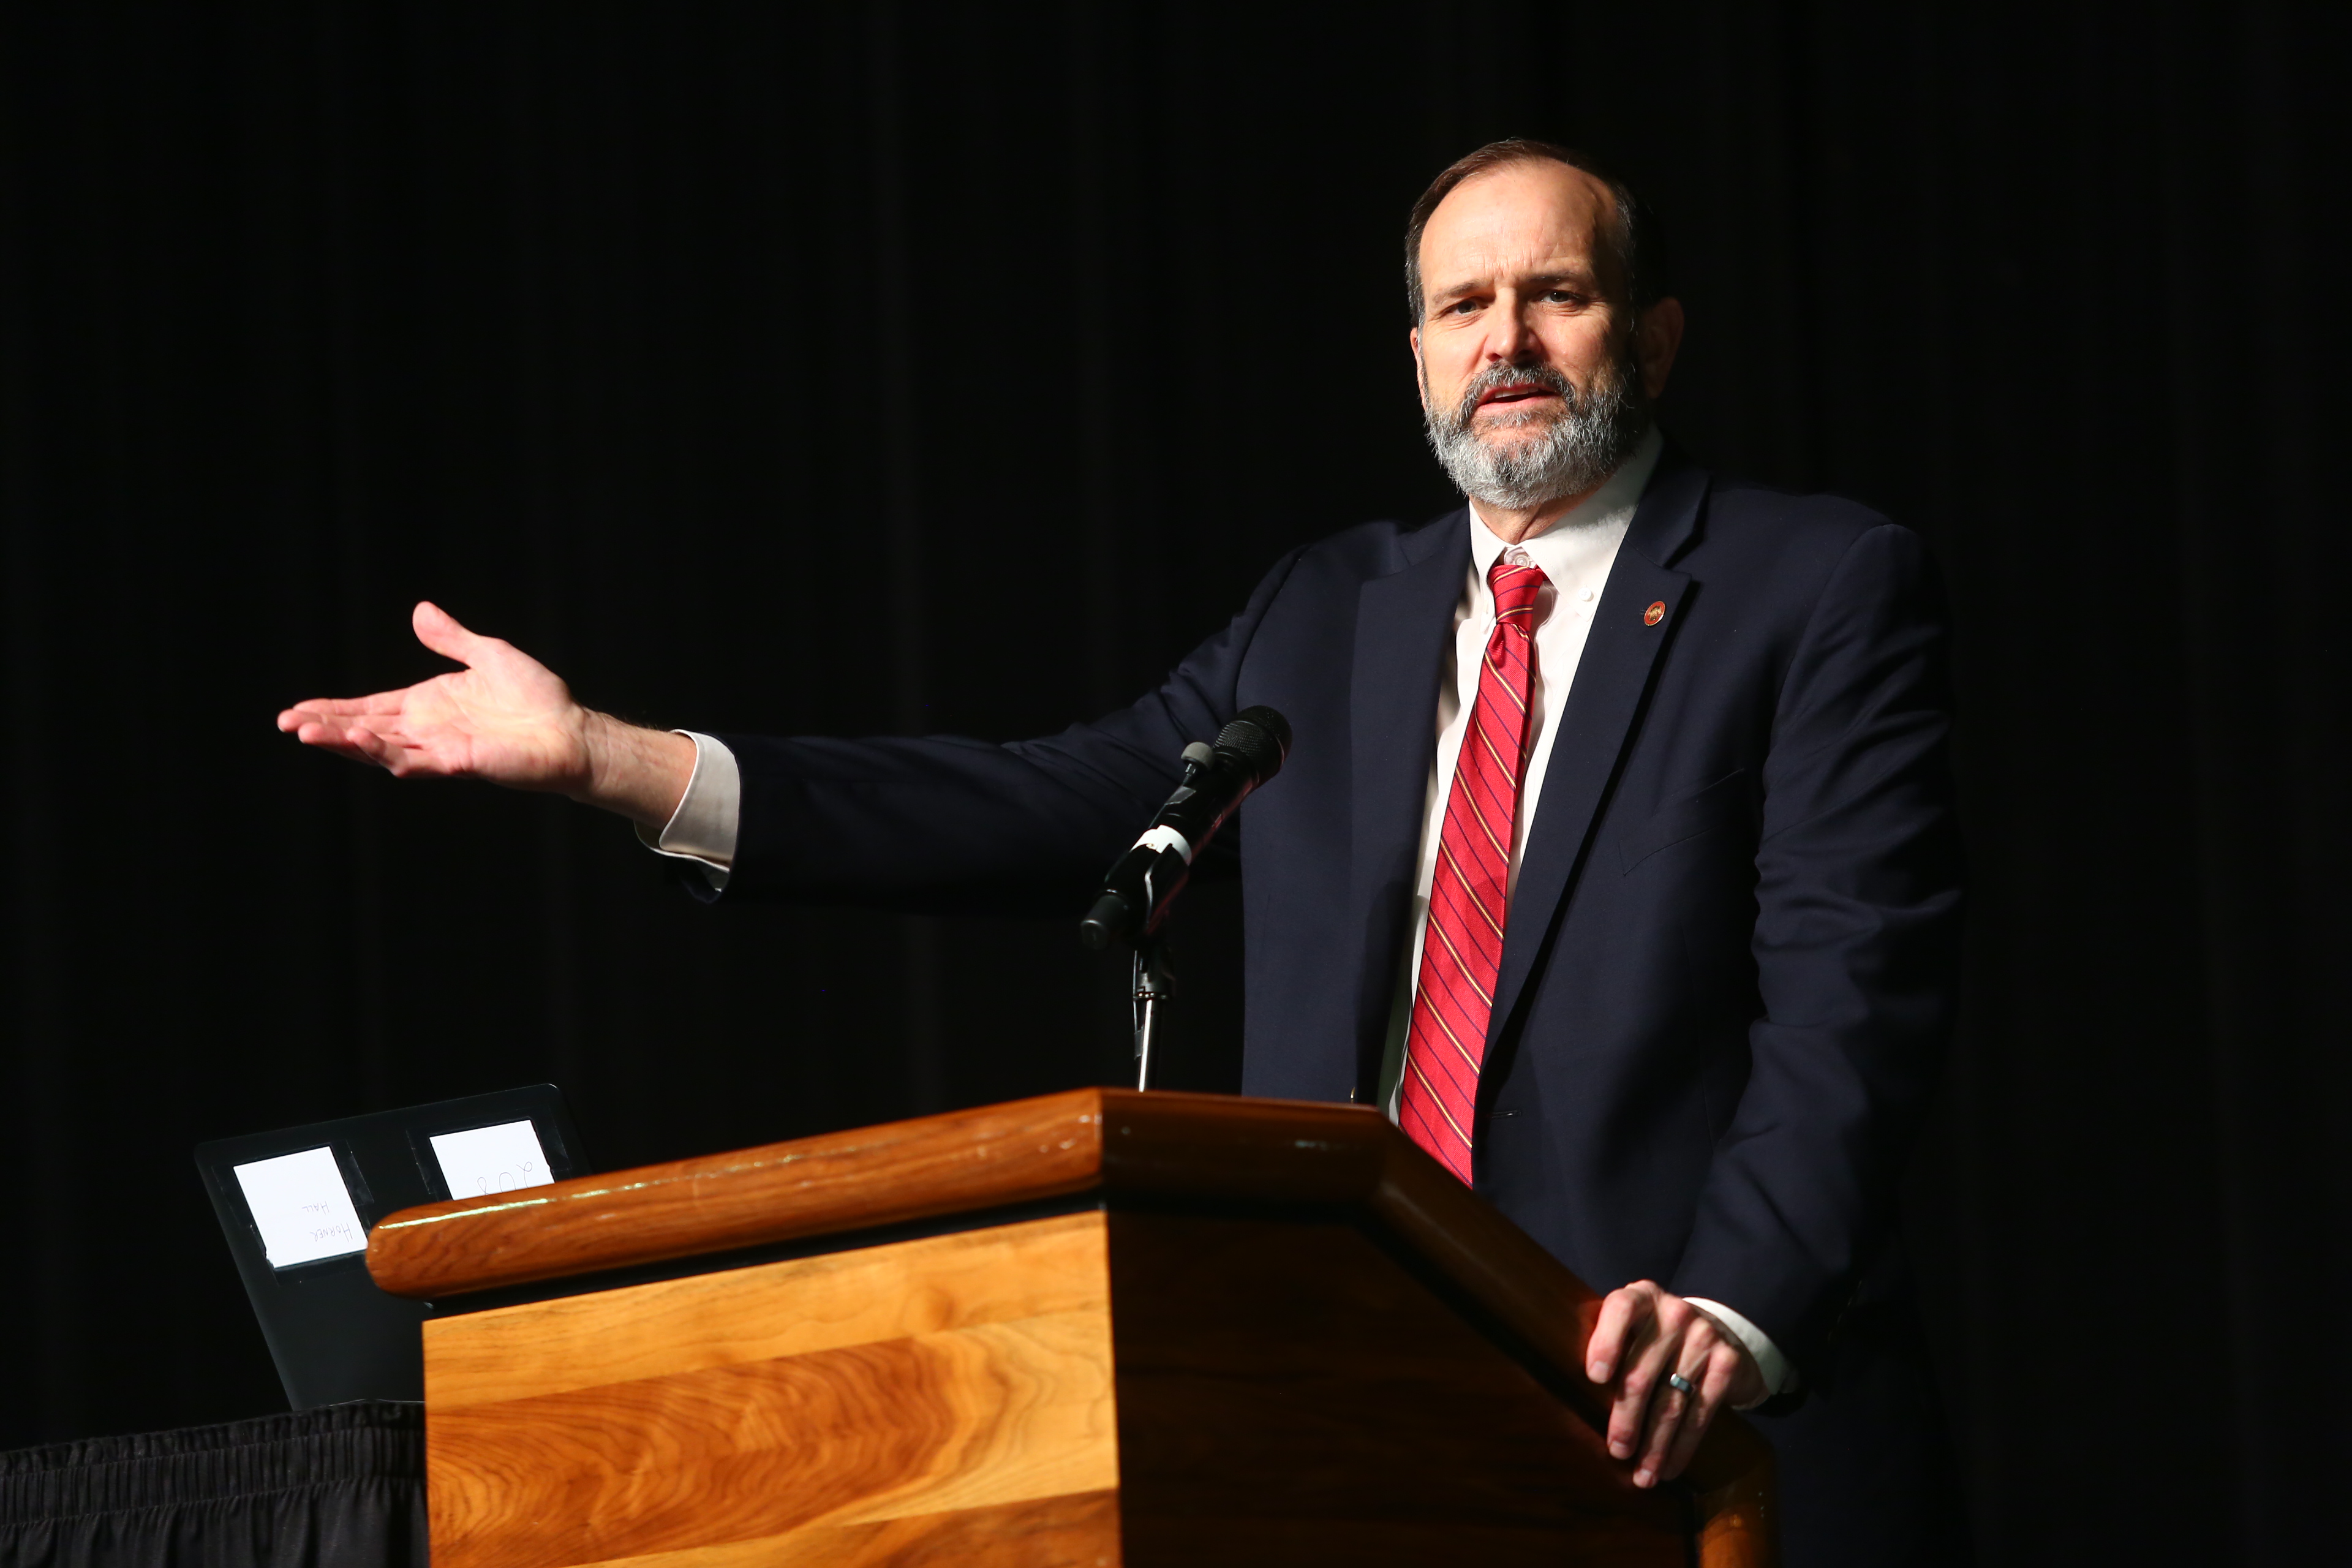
column 329, row 735
column 337, row 725
column 1646, row 1371
column 326, row 709
column 1714, row 1388
column 369, row 746
column 438, row 629
column 1670, row 1413
column 1607, row 1346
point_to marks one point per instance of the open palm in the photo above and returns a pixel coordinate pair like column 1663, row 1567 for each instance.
column 504, row 717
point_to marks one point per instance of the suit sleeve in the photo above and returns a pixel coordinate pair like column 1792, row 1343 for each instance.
column 1856, row 952
column 943, row 825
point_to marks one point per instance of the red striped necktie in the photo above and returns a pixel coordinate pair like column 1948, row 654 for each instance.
column 1462, row 949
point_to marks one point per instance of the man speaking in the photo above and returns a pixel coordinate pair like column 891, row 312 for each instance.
column 1616, row 858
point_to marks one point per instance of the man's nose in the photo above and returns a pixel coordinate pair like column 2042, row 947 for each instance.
column 1509, row 338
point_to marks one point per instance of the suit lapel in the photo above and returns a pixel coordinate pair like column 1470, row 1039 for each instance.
column 1403, row 622
column 1598, row 720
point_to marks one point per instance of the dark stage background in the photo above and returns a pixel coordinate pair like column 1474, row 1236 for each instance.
column 765, row 367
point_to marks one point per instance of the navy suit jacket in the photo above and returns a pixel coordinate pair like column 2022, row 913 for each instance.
column 1730, row 960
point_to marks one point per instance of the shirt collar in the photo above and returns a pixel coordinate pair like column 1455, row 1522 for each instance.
column 1587, row 534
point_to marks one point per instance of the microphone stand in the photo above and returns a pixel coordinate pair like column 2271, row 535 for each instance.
column 1155, row 982
column 1141, row 884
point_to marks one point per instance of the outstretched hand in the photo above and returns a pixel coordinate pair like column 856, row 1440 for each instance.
column 506, row 718
column 1647, row 1333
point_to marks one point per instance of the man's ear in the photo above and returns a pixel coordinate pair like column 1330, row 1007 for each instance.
column 1420, row 371
column 1657, row 338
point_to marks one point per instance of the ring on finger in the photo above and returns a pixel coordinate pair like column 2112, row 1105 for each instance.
column 1681, row 1385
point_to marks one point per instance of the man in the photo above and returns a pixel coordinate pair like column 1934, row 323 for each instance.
column 1615, row 856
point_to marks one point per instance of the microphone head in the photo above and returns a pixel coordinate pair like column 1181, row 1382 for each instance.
column 1261, row 738
column 1107, row 922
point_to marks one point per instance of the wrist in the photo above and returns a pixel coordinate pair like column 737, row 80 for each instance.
column 639, row 772
column 1764, row 1370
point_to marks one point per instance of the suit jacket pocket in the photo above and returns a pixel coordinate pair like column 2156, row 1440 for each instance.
column 1727, row 800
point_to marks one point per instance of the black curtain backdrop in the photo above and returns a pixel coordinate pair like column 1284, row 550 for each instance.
column 909, row 369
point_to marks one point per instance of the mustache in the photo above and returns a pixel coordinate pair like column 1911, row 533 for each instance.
column 1496, row 376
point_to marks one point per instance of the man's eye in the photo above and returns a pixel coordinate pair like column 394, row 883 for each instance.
column 1463, row 306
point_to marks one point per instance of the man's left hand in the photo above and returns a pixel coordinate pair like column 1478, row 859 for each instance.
column 1649, row 1333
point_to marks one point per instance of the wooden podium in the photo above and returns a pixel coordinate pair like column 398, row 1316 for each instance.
column 1097, row 1328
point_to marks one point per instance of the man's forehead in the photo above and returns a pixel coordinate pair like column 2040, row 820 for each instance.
column 1532, row 213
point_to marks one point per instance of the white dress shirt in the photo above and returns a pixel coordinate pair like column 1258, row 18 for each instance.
column 1575, row 553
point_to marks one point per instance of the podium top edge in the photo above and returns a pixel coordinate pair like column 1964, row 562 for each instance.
column 1117, row 1142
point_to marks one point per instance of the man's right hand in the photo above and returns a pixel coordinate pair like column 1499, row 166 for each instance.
column 506, row 718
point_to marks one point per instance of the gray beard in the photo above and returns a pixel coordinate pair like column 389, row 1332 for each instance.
column 1574, row 452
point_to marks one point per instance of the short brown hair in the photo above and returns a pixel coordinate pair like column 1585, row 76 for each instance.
column 1641, row 249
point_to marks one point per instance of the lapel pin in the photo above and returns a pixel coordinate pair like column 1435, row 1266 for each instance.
column 1654, row 614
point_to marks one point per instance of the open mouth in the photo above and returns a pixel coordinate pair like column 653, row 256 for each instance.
column 1512, row 395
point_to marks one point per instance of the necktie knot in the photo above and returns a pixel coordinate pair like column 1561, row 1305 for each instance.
column 1515, row 587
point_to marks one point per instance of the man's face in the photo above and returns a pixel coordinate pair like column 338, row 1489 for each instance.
column 1515, row 271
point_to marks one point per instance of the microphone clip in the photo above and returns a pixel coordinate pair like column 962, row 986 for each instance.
column 1142, row 884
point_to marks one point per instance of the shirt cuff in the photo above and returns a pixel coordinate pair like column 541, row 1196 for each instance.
column 703, row 826
column 1779, row 1375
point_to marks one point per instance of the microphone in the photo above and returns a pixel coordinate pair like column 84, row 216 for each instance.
column 1138, row 889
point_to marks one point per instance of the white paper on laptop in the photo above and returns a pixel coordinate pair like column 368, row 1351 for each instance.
column 302, row 1207
column 492, row 1160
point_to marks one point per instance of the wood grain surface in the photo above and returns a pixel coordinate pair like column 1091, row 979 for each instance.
column 894, row 1404
column 1293, row 1391
column 1127, row 1146
column 1080, row 1530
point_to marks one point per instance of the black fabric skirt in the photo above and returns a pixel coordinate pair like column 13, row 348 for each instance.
column 337, row 1487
